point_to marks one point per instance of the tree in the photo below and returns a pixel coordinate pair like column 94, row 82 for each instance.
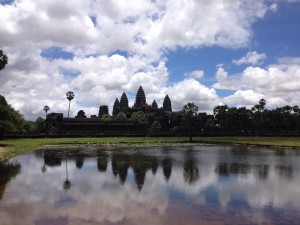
column 81, row 114
column 140, row 118
column 40, row 125
column 258, row 114
column 70, row 95
column 156, row 126
column 121, row 116
column 46, row 109
column 106, row 118
column 10, row 119
column 3, row 60
column 190, row 112
column 296, row 111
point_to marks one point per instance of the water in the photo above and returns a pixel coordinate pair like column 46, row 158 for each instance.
column 152, row 185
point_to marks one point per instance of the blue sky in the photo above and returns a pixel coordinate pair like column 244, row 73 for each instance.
column 211, row 53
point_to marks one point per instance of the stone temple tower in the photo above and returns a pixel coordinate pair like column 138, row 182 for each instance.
column 140, row 99
column 116, row 107
column 167, row 105
column 123, row 102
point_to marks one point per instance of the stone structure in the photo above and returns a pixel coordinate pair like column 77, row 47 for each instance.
column 167, row 105
column 123, row 102
column 140, row 99
column 116, row 107
column 103, row 110
column 56, row 123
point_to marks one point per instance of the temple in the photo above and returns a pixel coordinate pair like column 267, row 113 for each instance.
column 114, row 124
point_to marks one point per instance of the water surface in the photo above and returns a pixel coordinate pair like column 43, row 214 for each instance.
column 152, row 185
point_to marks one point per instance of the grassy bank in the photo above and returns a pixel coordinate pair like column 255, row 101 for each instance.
column 13, row 147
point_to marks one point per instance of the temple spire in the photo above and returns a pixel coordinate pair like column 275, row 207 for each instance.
column 123, row 102
column 140, row 99
column 154, row 104
column 116, row 107
column 167, row 105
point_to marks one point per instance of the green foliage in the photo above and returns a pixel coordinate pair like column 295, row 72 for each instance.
column 40, row 125
column 121, row 116
column 10, row 119
column 190, row 110
column 139, row 118
column 106, row 118
column 156, row 126
column 173, row 119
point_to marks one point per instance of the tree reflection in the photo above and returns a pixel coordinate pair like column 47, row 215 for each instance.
column 262, row 171
column 7, row 172
column 51, row 158
column 79, row 161
column 67, row 184
column 102, row 160
column 190, row 169
column 223, row 169
column 285, row 170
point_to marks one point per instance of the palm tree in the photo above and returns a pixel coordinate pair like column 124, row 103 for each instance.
column 70, row 95
column 190, row 111
column 46, row 109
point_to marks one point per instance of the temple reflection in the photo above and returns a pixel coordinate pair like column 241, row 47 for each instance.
column 140, row 163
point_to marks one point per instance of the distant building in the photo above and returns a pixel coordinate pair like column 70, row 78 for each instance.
column 57, row 124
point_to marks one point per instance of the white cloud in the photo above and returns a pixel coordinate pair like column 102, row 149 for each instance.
column 196, row 74
column 95, row 32
column 244, row 98
column 278, row 83
column 190, row 90
column 274, row 7
column 252, row 58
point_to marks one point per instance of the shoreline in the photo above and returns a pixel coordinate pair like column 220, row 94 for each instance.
column 162, row 144
column 10, row 148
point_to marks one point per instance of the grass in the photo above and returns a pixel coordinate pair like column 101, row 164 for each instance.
column 12, row 147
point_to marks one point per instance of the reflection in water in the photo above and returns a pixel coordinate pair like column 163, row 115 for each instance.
column 67, row 184
column 102, row 160
column 7, row 172
column 183, row 185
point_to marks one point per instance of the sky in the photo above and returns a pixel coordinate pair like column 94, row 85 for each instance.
column 232, row 52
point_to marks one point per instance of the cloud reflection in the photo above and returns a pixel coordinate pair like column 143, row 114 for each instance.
column 140, row 186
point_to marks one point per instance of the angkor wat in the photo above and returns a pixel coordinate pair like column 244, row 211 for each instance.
column 103, row 123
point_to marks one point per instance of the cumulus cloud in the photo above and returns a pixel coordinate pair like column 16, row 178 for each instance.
column 278, row 83
column 196, row 74
column 115, row 47
column 252, row 58
column 190, row 90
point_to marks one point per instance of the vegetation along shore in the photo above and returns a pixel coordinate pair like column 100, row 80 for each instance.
column 12, row 147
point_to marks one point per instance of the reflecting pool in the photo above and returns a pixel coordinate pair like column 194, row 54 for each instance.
column 152, row 185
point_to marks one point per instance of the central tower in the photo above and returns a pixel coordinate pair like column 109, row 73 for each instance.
column 140, row 99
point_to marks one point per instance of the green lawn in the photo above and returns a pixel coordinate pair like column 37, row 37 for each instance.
column 13, row 147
